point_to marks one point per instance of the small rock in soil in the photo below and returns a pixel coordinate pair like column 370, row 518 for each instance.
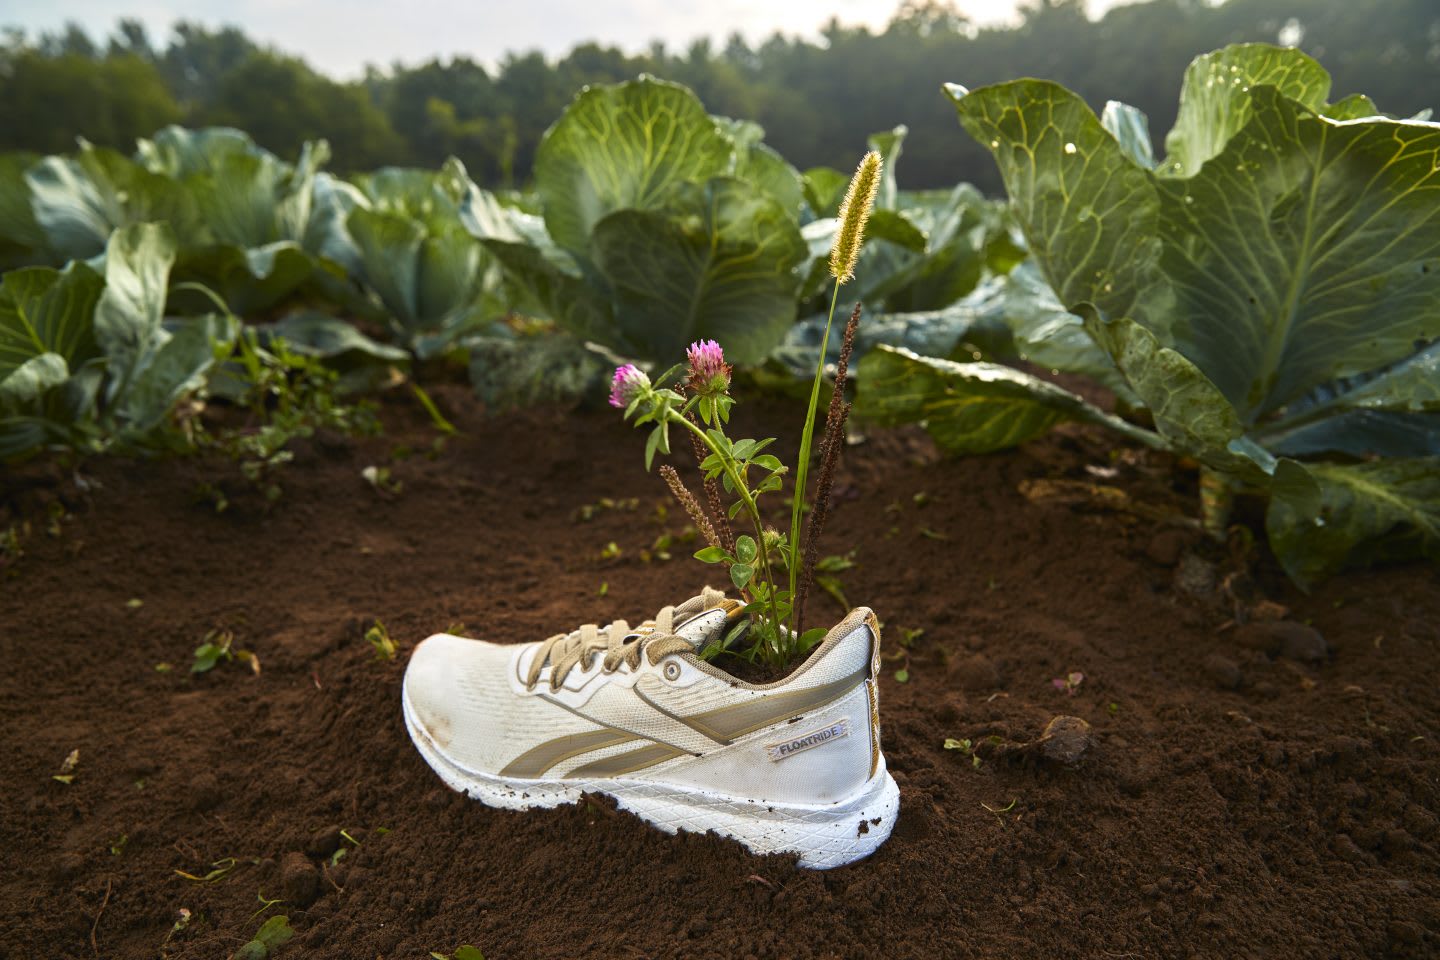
column 324, row 842
column 1224, row 671
column 1065, row 739
column 1166, row 546
column 300, row 879
column 205, row 793
column 1284, row 637
column 1195, row 577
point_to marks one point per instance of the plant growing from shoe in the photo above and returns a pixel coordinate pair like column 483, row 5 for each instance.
column 767, row 566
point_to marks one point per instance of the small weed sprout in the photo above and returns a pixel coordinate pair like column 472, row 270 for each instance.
column 273, row 934
column 381, row 481
column 219, row 870
column 217, row 646
column 466, row 952
column 67, row 768
column 1069, row 683
column 966, row 748
column 379, row 638
column 265, row 903
column 289, row 396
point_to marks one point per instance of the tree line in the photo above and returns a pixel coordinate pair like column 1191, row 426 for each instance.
column 817, row 99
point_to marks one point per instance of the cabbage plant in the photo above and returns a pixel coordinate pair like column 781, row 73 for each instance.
column 661, row 225
column 1270, row 291
column 398, row 231
column 87, row 357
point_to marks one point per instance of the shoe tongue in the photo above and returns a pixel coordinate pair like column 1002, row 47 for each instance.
column 704, row 618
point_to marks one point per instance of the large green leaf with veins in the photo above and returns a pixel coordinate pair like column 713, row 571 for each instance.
column 129, row 312
column 79, row 201
column 971, row 407
column 1307, row 250
column 48, row 312
column 1215, row 103
column 1323, row 514
column 719, row 263
column 21, row 239
column 1271, row 288
column 624, row 147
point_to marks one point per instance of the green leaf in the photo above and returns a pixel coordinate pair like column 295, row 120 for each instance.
column 741, row 574
column 766, row 169
column 27, row 383
column 1268, row 293
column 902, row 676
column 176, row 368
column 22, row 242
column 550, row 367
column 1255, row 267
column 1189, row 411
column 811, row 637
column 719, row 264
column 895, row 227
column 317, row 334
column 128, row 314
column 889, row 144
column 1131, row 129
column 652, row 444
column 745, row 549
column 1047, row 334
column 468, row 952
column 250, row 281
column 624, row 147
column 824, row 189
column 1323, row 516
column 389, row 246
column 44, row 311
column 274, row 932
column 970, row 407
column 1215, row 101
column 711, row 555
column 79, row 201
column 1363, row 433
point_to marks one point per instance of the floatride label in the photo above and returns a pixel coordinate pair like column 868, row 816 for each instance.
column 808, row 741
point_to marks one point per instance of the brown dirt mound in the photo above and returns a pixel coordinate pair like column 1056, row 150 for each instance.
column 1238, row 792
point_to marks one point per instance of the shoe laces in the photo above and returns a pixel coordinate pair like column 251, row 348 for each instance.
column 617, row 641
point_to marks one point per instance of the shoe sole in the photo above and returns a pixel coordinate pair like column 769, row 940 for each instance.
column 824, row 836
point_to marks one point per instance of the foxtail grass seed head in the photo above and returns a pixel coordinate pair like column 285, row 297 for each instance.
column 854, row 211
column 628, row 383
column 709, row 373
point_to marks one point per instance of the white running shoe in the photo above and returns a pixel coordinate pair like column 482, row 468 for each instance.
column 787, row 767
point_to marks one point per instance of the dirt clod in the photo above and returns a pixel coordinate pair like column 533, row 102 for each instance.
column 300, row 879
column 1065, row 739
column 1224, row 671
column 1286, row 638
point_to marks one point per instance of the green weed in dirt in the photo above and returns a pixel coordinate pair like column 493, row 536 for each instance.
column 466, row 952
column 379, row 638
column 273, row 934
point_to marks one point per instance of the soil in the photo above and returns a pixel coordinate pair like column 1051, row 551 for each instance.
column 1207, row 788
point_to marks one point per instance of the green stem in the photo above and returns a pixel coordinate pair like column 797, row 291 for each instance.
column 802, row 464
column 207, row 292
column 750, row 506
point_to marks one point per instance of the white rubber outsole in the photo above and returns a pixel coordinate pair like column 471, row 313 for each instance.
column 822, row 835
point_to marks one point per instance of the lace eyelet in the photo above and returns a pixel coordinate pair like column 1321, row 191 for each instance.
column 672, row 671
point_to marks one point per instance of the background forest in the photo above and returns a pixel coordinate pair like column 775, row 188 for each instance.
column 817, row 100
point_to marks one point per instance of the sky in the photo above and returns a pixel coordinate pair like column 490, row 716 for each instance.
column 340, row 36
